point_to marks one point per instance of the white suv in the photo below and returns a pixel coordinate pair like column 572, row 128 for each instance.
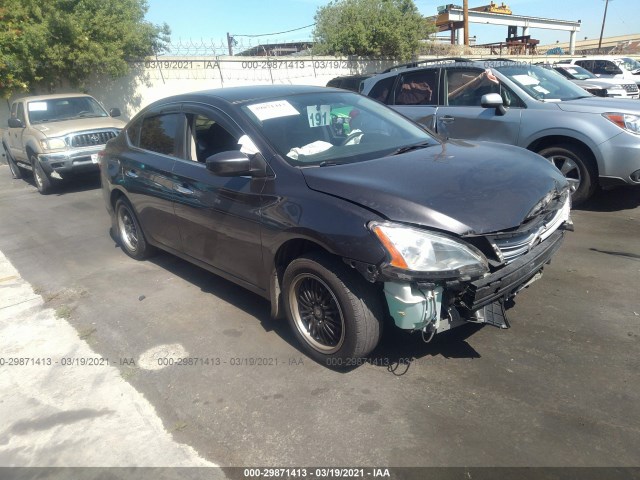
column 600, row 87
column 607, row 67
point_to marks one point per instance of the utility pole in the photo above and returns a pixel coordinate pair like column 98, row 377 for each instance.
column 230, row 44
column 465, row 15
column 604, row 18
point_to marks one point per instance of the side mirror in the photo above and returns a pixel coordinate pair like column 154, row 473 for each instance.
column 236, row 164
column 115, row 112
column 493, row 100
column 15, row 123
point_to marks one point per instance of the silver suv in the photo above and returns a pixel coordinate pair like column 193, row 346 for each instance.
column 591, row 140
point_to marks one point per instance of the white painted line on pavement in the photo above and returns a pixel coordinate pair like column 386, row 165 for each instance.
column 69, row 416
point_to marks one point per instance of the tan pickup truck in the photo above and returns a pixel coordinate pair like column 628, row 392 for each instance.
column 56, row 136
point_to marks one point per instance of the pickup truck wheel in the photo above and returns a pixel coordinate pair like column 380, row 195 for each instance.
column 577, row 166
column 43, row 182
column 16, row 171
column 130, row 235
column 335, row 315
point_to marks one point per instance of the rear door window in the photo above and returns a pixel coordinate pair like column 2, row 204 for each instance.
column 159, row 133
column 417, row 88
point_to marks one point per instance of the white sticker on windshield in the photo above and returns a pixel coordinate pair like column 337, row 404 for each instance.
column 37, row 106
column 277, row 109
column 540, row 89
column 525, row 80
column 319, row 115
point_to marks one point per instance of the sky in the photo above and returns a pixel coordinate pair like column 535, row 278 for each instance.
column 206, row 22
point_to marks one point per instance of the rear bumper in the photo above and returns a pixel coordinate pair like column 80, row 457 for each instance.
column 508, row 280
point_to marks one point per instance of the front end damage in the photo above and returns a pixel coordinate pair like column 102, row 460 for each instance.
column 437, row 301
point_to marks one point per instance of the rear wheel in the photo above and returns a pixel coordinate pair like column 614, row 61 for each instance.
column 43, row 182
column 130, row 235
column 335, row 314
column 577, row 165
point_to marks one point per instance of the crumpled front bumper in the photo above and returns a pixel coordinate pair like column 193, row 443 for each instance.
column 71, row 161
column 509, row 279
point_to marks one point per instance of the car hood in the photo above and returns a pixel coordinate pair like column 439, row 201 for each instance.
column 60, row 129
column 599, row 105
column 459, row 187
column 598, row 82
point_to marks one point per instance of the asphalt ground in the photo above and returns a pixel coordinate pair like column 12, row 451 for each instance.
column 559, row 388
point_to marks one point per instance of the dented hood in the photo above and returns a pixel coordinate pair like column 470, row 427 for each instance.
column 455, row 186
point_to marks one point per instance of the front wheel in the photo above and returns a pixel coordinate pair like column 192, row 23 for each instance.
column 334, row 314
column 43, row 182
column 577, row 165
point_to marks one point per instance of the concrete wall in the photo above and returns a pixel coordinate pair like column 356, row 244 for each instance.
column 155, row 79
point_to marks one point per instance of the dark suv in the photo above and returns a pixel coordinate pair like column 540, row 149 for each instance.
column 592, row 141
column 339, row 210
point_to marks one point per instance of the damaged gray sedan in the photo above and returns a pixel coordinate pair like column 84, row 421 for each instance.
column 340, row 211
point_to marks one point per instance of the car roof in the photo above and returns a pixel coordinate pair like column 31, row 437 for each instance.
column 596, row 57
column 53, row 96
column 239, row 95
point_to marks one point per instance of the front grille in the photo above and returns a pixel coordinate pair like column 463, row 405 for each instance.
column 513, row 245
column 630, row 87
column 92, row 138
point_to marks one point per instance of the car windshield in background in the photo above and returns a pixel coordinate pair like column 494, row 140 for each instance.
column 630, row 64
column 59, row 109
column 541, row 83
column 333, row 128
column 575, row 72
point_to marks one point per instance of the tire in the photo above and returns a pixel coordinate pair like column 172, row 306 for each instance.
column 129, row 234
column 344, row 314
column 43, row 182
column 577, row 165
column 16, row 171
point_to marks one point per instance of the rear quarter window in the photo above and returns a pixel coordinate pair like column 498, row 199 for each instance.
column 381, row 90
column 133, row 132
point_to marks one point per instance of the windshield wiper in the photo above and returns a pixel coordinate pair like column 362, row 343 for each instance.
column 329, row 163
column 409, row 148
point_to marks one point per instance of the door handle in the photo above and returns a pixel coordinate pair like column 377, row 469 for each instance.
column 131, row 174
column 183, row 190
column 447, row 119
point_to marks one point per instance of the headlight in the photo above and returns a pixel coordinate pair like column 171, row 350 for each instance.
column 421, row 251
column 626, row 121
column 53, row 143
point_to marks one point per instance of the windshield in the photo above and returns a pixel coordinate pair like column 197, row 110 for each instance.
column 630, row 64
column 542, row 84
column 67, row 108
column 575, row 72
column 333, row 128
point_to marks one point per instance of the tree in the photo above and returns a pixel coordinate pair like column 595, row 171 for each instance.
column 43, row 43
column 372, row 28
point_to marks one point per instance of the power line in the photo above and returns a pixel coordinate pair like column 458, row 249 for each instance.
column 275, row 33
